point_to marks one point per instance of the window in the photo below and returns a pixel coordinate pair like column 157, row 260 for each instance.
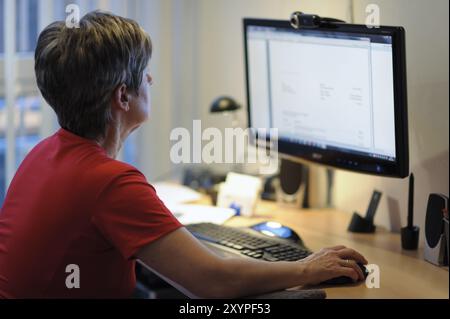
column 26, row 25
column 27, row 103
column 2, row 40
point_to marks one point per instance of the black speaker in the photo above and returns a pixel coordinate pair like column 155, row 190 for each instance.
column 435, row 240
column 292, row 183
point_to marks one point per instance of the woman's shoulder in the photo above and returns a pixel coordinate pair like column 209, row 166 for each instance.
column 113, row 167
column 109, row 174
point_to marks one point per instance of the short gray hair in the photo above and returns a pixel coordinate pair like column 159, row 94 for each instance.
column 78, row 69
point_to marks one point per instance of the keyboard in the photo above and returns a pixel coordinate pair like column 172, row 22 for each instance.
column 248, row 242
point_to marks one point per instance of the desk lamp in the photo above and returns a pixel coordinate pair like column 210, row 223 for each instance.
column 226, row 105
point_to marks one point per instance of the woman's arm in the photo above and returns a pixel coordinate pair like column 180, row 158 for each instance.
column 182, row 259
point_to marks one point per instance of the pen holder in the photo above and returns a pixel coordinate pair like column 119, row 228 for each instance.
column 410, row 238
column 360, row 224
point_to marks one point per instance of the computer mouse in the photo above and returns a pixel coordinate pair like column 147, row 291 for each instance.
column 274, row 229
column 345, row 280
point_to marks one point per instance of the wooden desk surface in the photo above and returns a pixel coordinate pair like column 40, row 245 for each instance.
column 403, row 274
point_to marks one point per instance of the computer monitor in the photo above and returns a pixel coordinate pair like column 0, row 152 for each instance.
column 336, row 94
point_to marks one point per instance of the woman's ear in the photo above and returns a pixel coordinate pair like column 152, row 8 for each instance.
column 121, row 98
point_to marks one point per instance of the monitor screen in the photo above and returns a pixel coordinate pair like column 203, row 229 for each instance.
column 334, row 94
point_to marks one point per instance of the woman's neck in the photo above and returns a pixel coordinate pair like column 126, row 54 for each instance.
column 113, row 140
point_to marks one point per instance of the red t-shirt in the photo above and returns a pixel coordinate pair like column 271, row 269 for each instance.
column 69, row 203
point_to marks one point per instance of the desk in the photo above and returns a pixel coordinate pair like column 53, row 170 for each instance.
column 404, row 274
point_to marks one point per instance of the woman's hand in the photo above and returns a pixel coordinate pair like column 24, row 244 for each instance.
column 329, row 263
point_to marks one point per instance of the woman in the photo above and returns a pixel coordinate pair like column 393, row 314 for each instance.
column 72, row 206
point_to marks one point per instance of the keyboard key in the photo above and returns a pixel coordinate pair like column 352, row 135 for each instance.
column 269, row 258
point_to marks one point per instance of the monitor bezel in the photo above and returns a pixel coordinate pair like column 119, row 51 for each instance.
column 343, row 160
